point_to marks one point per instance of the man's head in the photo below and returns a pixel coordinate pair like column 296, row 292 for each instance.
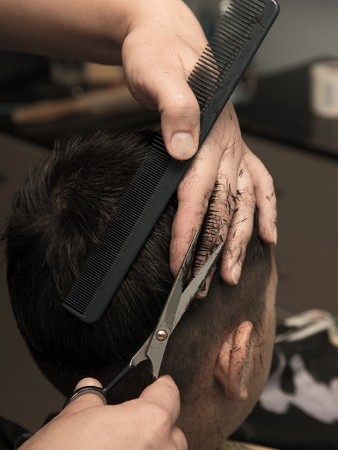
column 219, row 354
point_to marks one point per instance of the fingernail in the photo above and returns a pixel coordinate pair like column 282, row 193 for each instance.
column 236, row 272
column 203, row 292
column 182, row 144
column 88, row 382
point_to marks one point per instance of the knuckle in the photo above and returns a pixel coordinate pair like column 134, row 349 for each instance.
column 269, row 179
column 158, row 424
column 150, row 437
column 158, row 430
column 180, row 439
column 183, row 105
column 162, row 418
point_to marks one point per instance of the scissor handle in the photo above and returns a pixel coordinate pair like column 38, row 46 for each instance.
column 100, row 391
column 118, row 377
column 86, row 390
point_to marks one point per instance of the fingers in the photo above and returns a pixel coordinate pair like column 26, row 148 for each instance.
column 164, row 393
column 193, row 196
column 157, row 70
column 180, row 119
column 179, row 440
column 210, row 184
column 164, row 87
column 164, row 400
column 255, row 189
column 224, row 185
column 241, row 228
column 180, row 112
column 87, row 382
column 222, row 206
column 87, row 400
column 265, row 197
column 179, row 109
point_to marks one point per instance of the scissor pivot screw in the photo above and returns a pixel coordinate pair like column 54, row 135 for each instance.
column 161, row 335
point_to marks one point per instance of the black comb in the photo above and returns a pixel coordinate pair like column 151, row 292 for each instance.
column 239, row 34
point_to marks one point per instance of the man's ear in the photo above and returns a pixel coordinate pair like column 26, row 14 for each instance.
column 233, row 365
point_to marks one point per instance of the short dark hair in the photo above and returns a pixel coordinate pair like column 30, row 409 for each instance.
column 57, row 216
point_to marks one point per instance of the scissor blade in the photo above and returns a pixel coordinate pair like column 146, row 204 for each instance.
column 155, row 347
column 173, row 310
column 169, row 311
column 192, row 288
column 141, row 354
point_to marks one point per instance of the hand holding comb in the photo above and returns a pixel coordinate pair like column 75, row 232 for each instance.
column 241, row 30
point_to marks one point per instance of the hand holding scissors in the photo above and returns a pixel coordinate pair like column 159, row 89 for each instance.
column 178, row 300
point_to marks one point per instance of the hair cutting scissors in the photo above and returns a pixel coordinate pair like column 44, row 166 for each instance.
column 177, row 302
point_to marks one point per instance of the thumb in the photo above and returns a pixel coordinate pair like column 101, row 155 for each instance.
column 165, row 395
column 88, row 399
column 180, row 117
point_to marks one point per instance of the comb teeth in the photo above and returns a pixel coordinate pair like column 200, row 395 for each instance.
column 232, row 31
column 111, row 259
column 238, row 36
column 118, row 230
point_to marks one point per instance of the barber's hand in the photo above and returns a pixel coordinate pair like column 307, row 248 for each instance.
column 147, row 423
column 163, row 43
column 226, row 182
column 159, row 53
